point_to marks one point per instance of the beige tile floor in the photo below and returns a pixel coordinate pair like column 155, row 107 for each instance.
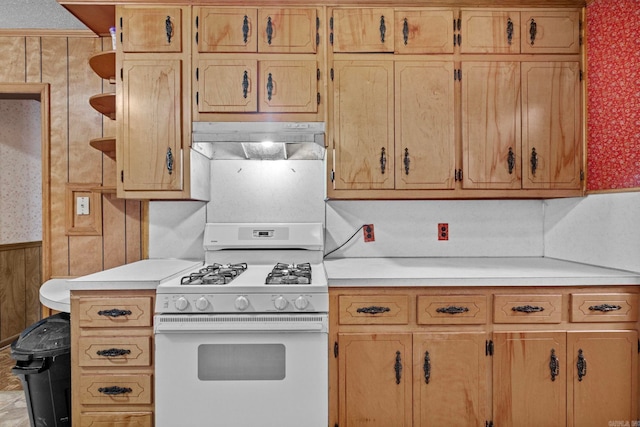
column 13, row 409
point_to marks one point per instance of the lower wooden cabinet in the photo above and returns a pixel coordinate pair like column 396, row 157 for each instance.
column 112, row 358
column 458, row 359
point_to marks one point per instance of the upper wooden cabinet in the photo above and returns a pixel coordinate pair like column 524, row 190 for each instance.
column 290, row 30
column 423, row 31
column 550, row 31
column 363, row 30
column 490, row 31
column 151, row 29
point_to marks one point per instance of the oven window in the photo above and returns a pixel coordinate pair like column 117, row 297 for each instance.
column 241, row 362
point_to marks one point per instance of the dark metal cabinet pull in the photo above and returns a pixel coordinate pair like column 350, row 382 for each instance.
column 383, row 29
column 269, row 87
column 581, row 365
column 533, row 30
column 113, row 352
column 398, row 367
column 269, row 30
column 511, row 160
column 114, row 390
column 527, row 308
column 168, row 27
column 407, row 161
column 554, row 365
column 114, row 312
column 405, row 31
column 509, row 31
column 374, row 309
column 169, row 161
column 245, row 29
column 605, row 307
column 245, row 84
column 534, row 161
column 383, row 160
column 427, row 367
column 452, row 309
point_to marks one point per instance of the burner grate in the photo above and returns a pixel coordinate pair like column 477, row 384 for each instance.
column 214, row 274
column 289, row 274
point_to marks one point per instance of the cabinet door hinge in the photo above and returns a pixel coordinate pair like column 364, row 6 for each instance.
column 197, row 37
column 331, row 30
column 488, row 348
column 331, row 74
column 488, row 424
column 318, row 98
column 197, row 98
column 457, row 74
column 581, row 75
column 121, row 74
column 335, row 344
column 197, row 73
column 639, row 346
column 581, row 175
column 457, row 174
column 333, row 178
column 317, row 31
column 197, row 21
column 122, row 175
column 317, row 73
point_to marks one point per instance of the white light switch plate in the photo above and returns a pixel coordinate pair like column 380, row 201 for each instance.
column 82, row 206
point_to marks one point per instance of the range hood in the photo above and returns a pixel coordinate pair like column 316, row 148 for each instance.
column 260, row 140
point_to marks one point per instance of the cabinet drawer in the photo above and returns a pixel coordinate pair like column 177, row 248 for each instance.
column 115, row 389
column 602, row 307
column 374, row 310
column 527, row 308
column 452, row 309
column 116, row 313
column 116, row 419
column 114, row 351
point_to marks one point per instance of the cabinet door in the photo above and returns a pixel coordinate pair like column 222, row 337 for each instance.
column 226, row 30
column 490, row 31
column 424, row 125
column 450, row 379
column 525, row 391
column 374, row 380
column 363, row 134
column 363, row 30
column 117, row 419
column 550, row 31
column 423, row 31
column 607, row 388
column 551, row 125
column 491, row 125
column 227, row 85
column 151, row 125
column 154, row 29
column 287, row 30
column 288, row 86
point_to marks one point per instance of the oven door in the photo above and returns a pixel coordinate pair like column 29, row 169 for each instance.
column 241, row 371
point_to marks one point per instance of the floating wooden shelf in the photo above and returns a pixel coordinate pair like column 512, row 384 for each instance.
column 104, row 65
column 107, row 145
column 104, row 103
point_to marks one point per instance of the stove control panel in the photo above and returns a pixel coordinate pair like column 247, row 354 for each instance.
column 246, row 303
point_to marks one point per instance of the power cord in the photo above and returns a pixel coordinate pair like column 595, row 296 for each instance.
column 347, row 241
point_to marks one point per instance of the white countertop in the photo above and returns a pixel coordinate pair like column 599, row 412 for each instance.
column 516, row 271
column 145, row 274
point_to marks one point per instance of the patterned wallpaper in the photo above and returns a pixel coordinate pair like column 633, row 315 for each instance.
column 613, row 116
column 20, row 172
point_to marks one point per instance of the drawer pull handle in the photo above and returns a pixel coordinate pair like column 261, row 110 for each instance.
column 114, row 390
column 405, row 31
column 605, row 307
column 374, row 309
column 113, row 352
column 554, row 365
column 245, row 29
column 269, row 87
column 452, row 309
column 269, row 30
column 398, row 367
column 168, row 28
column 427, row 367
column 383, row 29
column 533, row 31
column 527, row 308
column 114, row 312
column 581, row 365
column 509, row 31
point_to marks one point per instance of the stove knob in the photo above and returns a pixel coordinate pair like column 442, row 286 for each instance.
column 242, row 303
column 202, row 303
column 181, row 303
column 280, row 303
column 301, row 303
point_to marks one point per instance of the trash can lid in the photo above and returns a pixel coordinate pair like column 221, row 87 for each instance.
column 48, row 337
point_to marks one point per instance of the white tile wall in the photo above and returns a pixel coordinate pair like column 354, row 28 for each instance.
column 601, row 229
column 176, row 229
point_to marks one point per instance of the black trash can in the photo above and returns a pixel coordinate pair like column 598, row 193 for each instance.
column 43, row 363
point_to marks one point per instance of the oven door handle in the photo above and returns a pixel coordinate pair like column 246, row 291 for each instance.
column 227, row 324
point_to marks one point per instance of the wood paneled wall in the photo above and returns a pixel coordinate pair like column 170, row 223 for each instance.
column 60, row 59
column 19, row 284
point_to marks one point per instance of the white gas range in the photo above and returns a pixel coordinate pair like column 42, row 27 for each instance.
column 246, row 332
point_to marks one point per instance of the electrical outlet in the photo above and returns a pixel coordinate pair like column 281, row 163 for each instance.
column 443, row 231
column 368, row 233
